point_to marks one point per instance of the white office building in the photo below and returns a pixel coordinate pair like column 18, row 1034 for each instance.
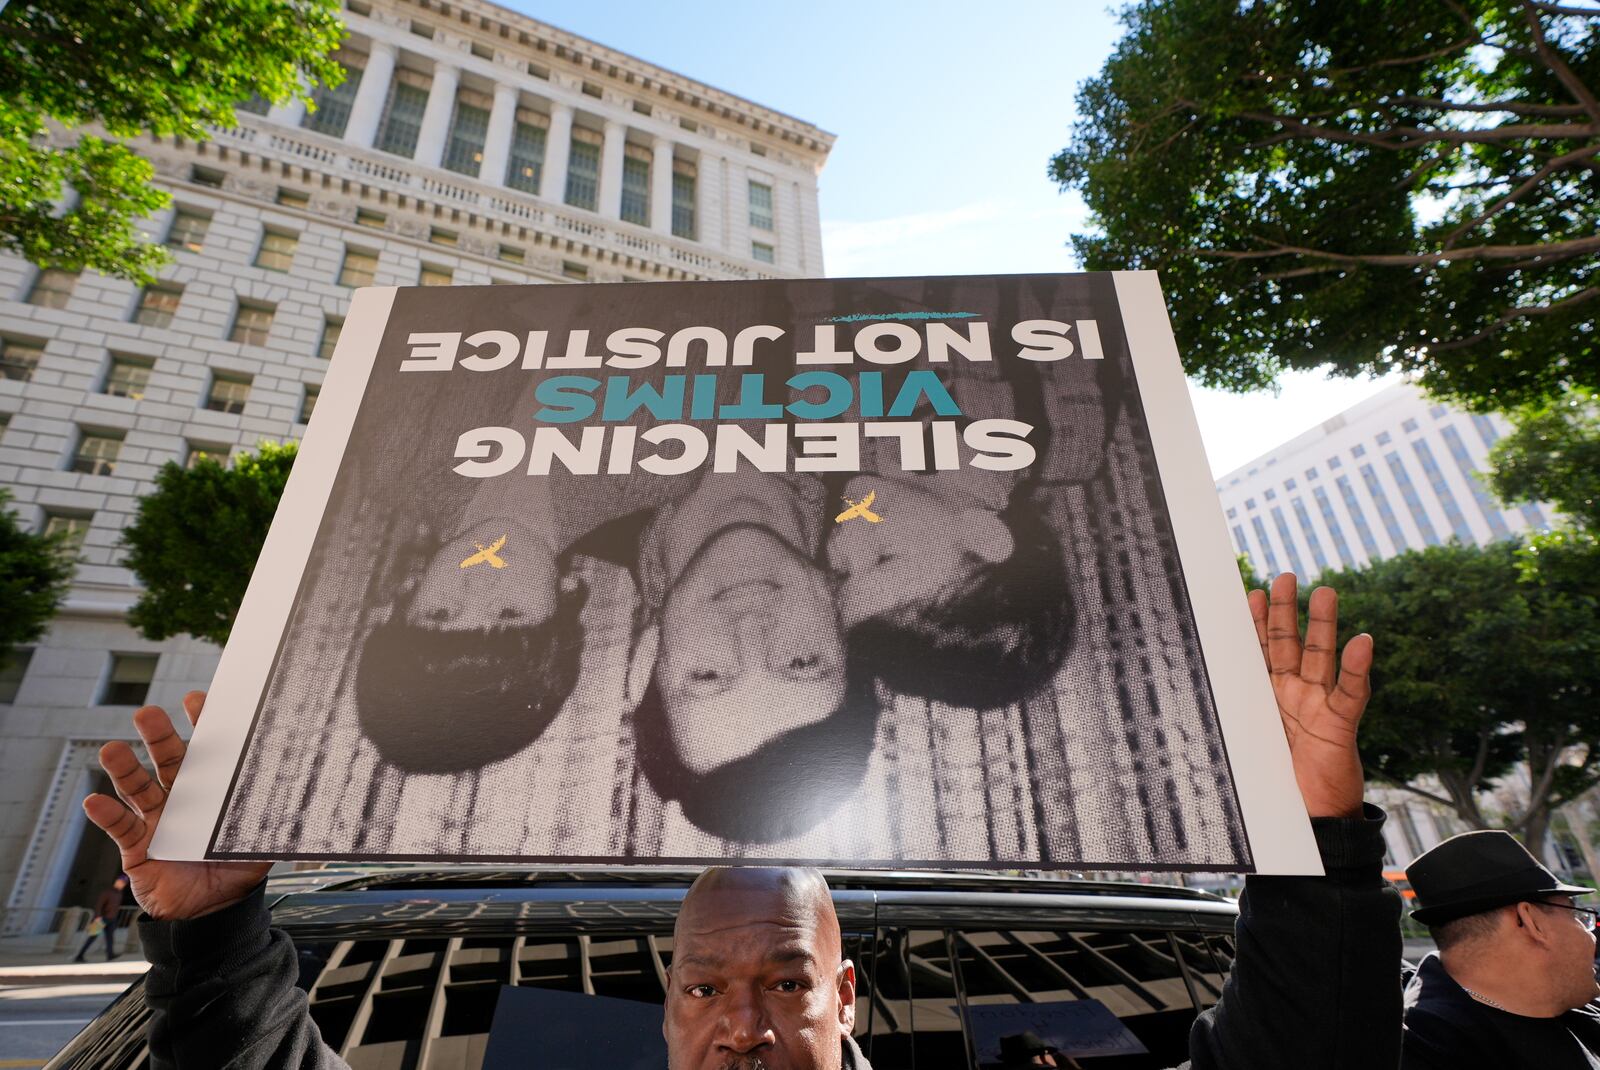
column 469, row 145
column 1396, row 472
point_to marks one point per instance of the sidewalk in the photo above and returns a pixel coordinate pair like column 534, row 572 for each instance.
column 36, row 961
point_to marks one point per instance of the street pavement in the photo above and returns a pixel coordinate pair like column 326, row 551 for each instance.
column 37, row 1020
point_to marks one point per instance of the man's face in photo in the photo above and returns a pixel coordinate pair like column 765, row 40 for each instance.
column 750, row 648
column 923, row 545
column 757, row 980
column 500, row 574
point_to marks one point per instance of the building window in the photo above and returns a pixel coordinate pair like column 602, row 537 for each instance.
column 71, row 528
column 1266, row 545
column 763, row 251
column 128, row 377
column 18, row 359
column 366, row 217
column 1311, row 473
column 433, row 275
column 1232, row 512
column 575, row 271
column 12, row 670
column 1380, row 498
column 1352, row 505
column 1409, row 426
column 402, row 119
column 1358, row 450
column 592, row 90
column 254, row 104
column 293, row 198
column 188, row 230
column 1334, row 462
column 228, row 393
column 52, row 288
column 97, row 453
column 437, row 236
column 208, row 177
column 1330, row 520
column 1289, row 547
column 1437, row 411
column 583, row 174
column 464, row 151
column 1309, row 532
column 1383, row 438
column 308, row 403
column 198, row 453
column 513, row 255
column 538, row 71
column 330, row 108
column 760, row 206
column 1413, row 500
column 636, row 191
column 331, row 329
column 1463, row 460
column 157, row 305
column 422, row 29
column 526, row 168
column 1249, row 503
column 683, row 214
column 1269, row 494
column 128, row 683
column 1442, row 492
column 277, row 251
column 251, row 324
column 358, row 269
column 1289, row 484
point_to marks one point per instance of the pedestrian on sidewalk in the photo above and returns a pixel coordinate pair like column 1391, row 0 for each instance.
column 106, row 911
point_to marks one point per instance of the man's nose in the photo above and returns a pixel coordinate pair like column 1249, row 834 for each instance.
column 744, row 1026
column 752, row 630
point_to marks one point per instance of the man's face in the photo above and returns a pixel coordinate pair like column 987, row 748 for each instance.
column 1573, row 953
column 750, row 648
column 757, row 983
column 922, row 545
column 518, row 592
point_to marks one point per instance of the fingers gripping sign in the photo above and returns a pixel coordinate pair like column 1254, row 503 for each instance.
column 1321, row 694
column 166, row 890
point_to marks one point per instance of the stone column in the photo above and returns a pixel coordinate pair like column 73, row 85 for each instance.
column 661, row 186
column 711, row 194
column 497, row 144
column 611, row 170
column 557, row 147
column 437, row 115
column 367, row 109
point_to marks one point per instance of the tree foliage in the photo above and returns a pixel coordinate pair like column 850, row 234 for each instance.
column 195, row 541
column 1377, row 186
column 34, row 572
column 168, row 67
column 1485, row 657
column 1553, row 456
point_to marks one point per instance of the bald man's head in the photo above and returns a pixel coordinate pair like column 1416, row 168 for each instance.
column 758, row 980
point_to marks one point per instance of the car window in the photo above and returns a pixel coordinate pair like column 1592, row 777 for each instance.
column 426, row 1004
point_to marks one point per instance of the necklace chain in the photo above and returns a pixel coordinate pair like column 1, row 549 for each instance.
column 1482, row 998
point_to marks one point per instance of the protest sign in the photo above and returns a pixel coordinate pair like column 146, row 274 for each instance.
column 871, row 572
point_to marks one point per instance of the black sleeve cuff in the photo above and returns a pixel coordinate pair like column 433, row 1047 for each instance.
column 1351, row 845
column 232, row 934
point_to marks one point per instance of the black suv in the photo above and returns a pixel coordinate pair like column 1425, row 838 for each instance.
column 404, row 966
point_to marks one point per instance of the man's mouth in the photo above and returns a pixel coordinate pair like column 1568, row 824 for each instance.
column 745, row 589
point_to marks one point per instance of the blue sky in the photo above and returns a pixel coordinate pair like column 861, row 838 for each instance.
column 946, row 115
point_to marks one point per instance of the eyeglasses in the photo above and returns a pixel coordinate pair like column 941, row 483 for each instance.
column 1586, row 915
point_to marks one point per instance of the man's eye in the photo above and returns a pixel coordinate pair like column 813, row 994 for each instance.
column 701, row 991
column 883, row 559
column 788, row 986
column 805, row 661
column 704, row 676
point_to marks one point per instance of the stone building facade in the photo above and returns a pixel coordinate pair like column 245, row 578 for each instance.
column 469, row 145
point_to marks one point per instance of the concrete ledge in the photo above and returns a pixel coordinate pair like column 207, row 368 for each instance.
column 122, row 971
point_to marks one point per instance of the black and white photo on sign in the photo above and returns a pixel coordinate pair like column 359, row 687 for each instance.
column 877, row 571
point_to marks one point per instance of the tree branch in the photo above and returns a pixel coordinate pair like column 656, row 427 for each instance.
column 1406, row 137
column 1518, row 312
column 1545, row 251
column 1430, row 796
column 1511, row 107
column 1557, row 65
column 1532, row 181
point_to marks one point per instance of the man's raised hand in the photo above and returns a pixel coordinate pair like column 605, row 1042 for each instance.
column 1320, row 696
column 166, row 890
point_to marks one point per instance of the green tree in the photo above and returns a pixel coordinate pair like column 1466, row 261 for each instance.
column 1486, row 657
column 1247, row 573
column 195, row 541
column 1553, row 456
column 1373, row 186
column 34, row 572
column 174, row 68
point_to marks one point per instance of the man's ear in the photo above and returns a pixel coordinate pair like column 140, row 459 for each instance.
column 982, row 532
column 847, row 997
column 641, row 663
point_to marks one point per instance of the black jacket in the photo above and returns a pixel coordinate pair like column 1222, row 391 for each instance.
column 1446, row 1029
column 1315, row 984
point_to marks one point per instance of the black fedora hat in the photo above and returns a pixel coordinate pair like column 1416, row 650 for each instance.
column 1478, row 871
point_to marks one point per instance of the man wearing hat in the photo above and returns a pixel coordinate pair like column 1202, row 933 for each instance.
column 1513, row 983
